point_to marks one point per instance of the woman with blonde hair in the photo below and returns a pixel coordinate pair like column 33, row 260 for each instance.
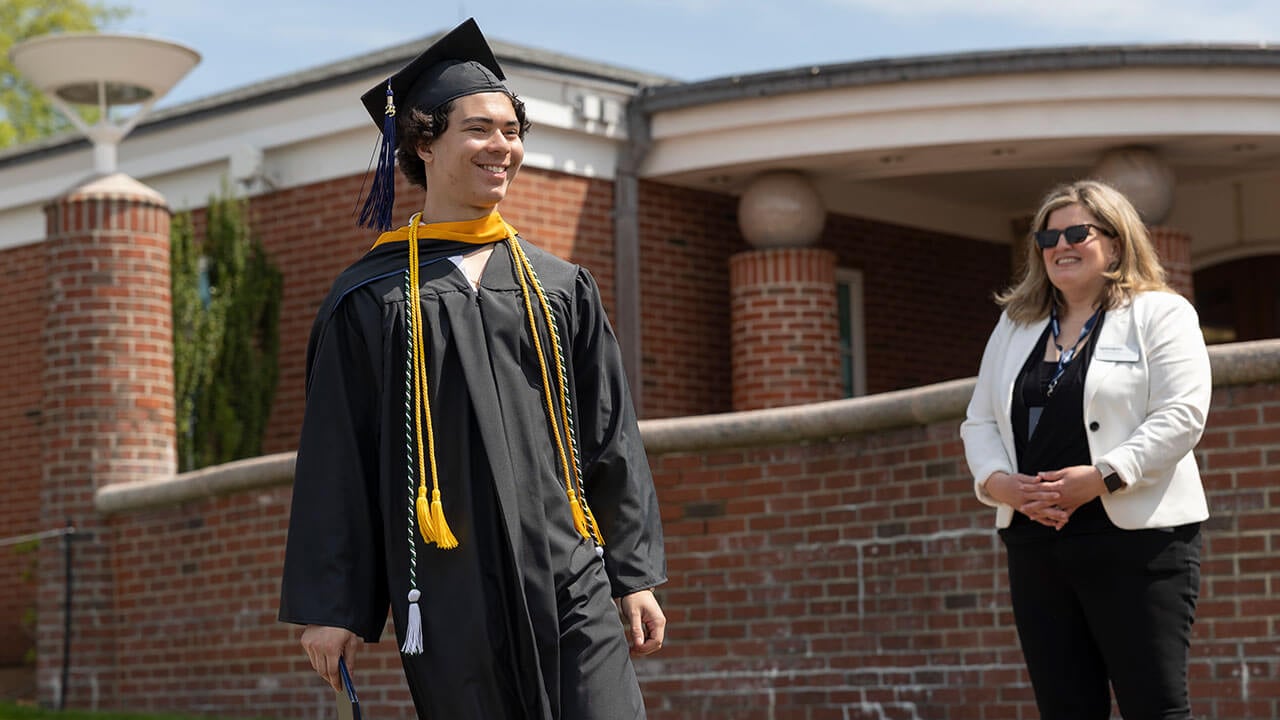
column 1091, row 396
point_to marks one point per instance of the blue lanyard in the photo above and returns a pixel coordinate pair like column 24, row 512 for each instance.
column 1065, row 356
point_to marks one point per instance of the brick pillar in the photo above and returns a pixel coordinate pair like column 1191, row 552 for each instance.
column 107, row 413
column 786, row 332
column 1174, row 249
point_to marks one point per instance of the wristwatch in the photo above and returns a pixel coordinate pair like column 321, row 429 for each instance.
column 1110, row 478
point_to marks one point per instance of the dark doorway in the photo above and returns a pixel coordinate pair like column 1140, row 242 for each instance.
column 1239, row 300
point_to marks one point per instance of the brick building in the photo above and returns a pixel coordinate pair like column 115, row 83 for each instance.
column 768, row 246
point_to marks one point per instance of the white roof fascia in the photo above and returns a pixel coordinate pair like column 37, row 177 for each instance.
column 964, row 110
column 303, row 138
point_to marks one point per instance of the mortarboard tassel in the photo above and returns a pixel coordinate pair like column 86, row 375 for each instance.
column 379, row 203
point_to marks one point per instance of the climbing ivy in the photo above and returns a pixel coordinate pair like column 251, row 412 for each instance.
column 226, row 315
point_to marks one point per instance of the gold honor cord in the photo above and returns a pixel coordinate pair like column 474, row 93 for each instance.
column 583, row 520
column 430, row 513
column 431, row 522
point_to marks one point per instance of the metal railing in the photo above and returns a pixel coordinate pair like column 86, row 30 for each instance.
column 67, row 533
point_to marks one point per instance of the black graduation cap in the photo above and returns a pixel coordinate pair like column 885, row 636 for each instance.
column 458, row 64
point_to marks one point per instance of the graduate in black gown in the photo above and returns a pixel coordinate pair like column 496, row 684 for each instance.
column 469, row 453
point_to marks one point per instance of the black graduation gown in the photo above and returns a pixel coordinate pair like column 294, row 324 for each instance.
column 518, row 621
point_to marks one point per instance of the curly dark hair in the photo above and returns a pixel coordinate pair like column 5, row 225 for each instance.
column 417, row 128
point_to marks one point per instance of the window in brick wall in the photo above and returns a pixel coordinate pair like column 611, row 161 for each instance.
column 205, row 284
column 853, row 364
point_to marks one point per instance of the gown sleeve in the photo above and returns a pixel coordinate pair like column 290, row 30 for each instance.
column 334, row 572
column 615, row 470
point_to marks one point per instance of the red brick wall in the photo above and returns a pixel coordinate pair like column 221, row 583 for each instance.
column 927, row 306
column 927, row 302
column 838, row 580
column 686, row 239
column 197, row 591
column 860, row 579
column 22, row 305
column 1236, row 671
column 845, row 579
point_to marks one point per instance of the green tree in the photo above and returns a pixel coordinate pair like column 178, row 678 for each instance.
column 226, row 316
column 198, row 322
column 25, row 113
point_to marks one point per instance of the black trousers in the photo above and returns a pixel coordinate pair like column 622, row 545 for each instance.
column 1105, row 607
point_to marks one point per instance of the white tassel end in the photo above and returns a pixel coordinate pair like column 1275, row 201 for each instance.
column 413, row 633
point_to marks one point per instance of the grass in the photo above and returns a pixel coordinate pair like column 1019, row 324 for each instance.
column 9, row 711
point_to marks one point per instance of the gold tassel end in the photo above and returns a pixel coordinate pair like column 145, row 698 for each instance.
column 444, row 536
column 425, row 526
column 579, row 516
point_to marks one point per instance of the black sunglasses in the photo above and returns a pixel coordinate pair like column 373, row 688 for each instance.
column 1075, row 235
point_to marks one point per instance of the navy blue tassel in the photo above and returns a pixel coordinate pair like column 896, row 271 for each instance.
column 378, row 204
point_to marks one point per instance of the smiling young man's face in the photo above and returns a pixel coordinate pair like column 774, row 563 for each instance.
column 471, row 165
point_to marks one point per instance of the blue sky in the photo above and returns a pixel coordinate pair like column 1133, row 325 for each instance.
column 244, row 41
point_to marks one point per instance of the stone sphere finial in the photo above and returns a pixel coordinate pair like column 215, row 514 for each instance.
column 781, row 209
column 1143, row 176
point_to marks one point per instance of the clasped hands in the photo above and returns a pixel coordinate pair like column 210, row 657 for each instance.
column 1048, row 497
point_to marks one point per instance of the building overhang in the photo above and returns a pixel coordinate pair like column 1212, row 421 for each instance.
column 969, row 142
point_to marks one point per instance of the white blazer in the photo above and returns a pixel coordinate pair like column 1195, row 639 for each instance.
column 1146, row 395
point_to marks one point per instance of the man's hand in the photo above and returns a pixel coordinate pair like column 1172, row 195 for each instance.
column 324, row 645
column 646, row 626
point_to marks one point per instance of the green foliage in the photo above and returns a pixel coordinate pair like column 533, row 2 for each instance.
column 25, row 113
column 197, row 332
column 27, row 576
column 226, row 342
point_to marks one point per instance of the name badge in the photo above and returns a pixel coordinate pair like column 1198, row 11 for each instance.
column 1116, row 353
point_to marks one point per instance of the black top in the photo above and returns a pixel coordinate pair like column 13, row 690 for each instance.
column 1058, row 438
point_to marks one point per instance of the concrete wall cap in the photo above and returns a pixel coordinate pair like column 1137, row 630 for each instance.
column 1235, row 364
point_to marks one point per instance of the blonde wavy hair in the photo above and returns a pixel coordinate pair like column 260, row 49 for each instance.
column 1137, row 268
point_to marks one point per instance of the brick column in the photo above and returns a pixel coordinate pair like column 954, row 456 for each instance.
column 1174, row 249
column 786, row 332
column 107, row 413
